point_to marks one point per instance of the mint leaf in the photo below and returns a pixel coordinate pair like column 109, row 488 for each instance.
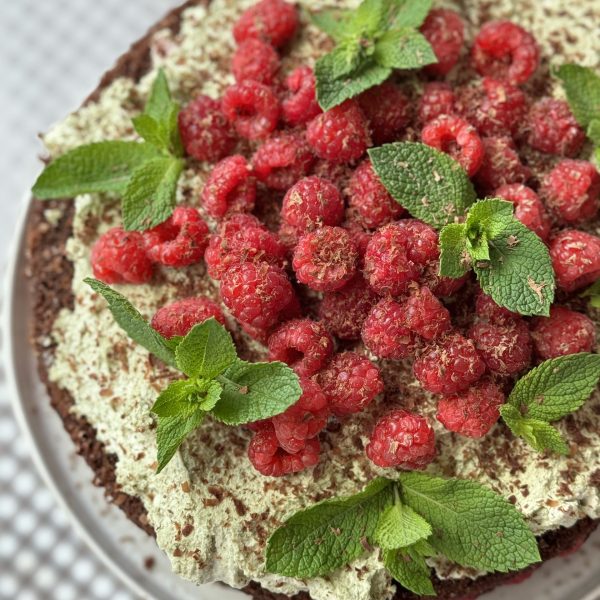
column 206, row 351
column 429, row 184
column 255, row 391
column 593, row 132
column 454, row 258
column 582, row 87
column 372, row 17
column 334, row 22
column 176, row 398
column 410, row 570
column 403, row 49
column 411, row 13
column 400, row 526
column 132, row 322
column 490, row 216
column 98, row 167
column 340, row 62
column 328, row 535
column 593, row 293
column 472, row 525
column 171, row 431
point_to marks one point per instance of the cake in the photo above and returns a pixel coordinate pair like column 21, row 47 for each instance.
column 211, row 512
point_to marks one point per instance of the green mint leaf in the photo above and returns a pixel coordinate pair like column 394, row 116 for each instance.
column 254, row 391
column 472, row 525
column 343, row 60
column 171, row 431
column 429, row 184
column 328, row 535
column 454, row 258
column 98, row 167
column 478, row 248
column 403, row 49
column 582, row 87
column 158, row 133
column 491, row 217
column 206, row 351
column 132, row 322
column 372, row 17
column 411, row 13
column 334, row 22
column 410, row 570
column 176, row 398
column 400, row 526
column 593, row 132
column 150, row 194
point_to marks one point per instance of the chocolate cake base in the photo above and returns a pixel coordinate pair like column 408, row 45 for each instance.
column 50, row 275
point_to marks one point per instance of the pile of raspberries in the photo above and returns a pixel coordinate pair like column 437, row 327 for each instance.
column 346, row 272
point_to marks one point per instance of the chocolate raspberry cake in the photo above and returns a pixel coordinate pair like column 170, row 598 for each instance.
column 261, row 204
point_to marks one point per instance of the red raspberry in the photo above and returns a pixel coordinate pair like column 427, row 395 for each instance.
column 312, row 202
column 205, row 132
column 301, row 105
column 529, row 209
column 256, row 61
column 272, row 21
column 268, row 458
column 444, row 30
column 454, row 136
column 253, row 109
column 303, row 344
column 563, row 332
column 242, row 238
column 442, row 287
column 552, row 128
column 575, row 258
column 256, row 293
column 385, row 333
column 304, row 420
column 501, row 164
column 350, row 382
column 426, row 315
column 340, row 134
column 572, row 190
column 180, row 240
column 472, row 412
column 282, row 160
column 177, row 318
column 367, row 195
column 437, row 100
column 486, row 308
column 325, row 259
column 449, row 365
column 402, row 439
column 360, row 237
column 119, row 257
column 504, row 50
column 505, row 347
column 387, row 110
column 397, row 254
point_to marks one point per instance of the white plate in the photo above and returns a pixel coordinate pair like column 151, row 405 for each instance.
column 122, row 545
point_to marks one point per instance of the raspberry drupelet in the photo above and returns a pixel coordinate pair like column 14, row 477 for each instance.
column 119, row 256
column 300, row 106
column 402, row 439
column 437, row 100
column 205, row 132
column 486, row 308
column 271, row 21
column 426, row 315
column 444, row 30
column 563, row 332
column 177, row 318
column 304, row 345
column 501, row 164
column 180, row 241
column 529, row 209
column 575, row 258
column 387, row 110
column 256, row 61
column 350, row 382
column 472, row 412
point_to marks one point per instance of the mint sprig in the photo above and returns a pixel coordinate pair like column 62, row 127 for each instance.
column 144, row 174
column 218, row 382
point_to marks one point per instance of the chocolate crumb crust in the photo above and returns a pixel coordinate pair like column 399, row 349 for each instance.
column 50, row 276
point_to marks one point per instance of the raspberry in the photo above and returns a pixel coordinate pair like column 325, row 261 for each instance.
column 301, row 105
column 426, row 315
column 304, row 420
column 575, row 258
column 312, row 202
column 282, row 160
column 572, row 190
column 253, row 109
column 119, row 257
column 180, row 240
column 350, row 383
column 504, row 346
column 325, row 259
column 256, row 293
column 472, row 412
column 387, row 110
column 177, row 318
column 373, row 203
column 402, row 439
column 486, row 308
column 501, row 164
column 360, row 237
column 385, row 333
column 444, row 30
column 397, row 254
column 529, row 209
column 504, row 50
column 563, row 332
column 272, row 21
column 443, row 287
column 437, row 100
column 457, row 138
column 449, row 365
column 340, row 134
column 205, row 132
column 268, row 458
column 256, row 61
column 304, row 345
column 242, row 238
column 552, row 128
